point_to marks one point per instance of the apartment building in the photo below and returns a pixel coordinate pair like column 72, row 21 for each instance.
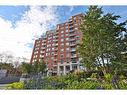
column 58, row 47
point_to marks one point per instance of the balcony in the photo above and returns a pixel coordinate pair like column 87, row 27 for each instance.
column 55, row 49
column 73, row 50
column 72, row 34
column 56, row 40
column 71, row 30
column 55, row 54
column 72, row 39
column 42, row 51
column 43, row 44
column 42, row 56
column 56, row 44
column 72, row 44
column 73, row 56
column 42, row 48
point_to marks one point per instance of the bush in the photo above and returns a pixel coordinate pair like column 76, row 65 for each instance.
column 94, row 75
column 108, row 77
column 123, row 84
column 16, row 85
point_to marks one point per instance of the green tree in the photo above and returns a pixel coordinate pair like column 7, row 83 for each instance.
column 100, row 47
column 35, row 67
column 27, row 68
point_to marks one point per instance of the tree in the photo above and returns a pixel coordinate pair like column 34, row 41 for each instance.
column 102, row 40
column 6, row 57
column 35, row 67
column 27, row 68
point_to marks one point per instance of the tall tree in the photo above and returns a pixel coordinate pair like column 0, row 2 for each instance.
column 101, row 42
column 35, row 67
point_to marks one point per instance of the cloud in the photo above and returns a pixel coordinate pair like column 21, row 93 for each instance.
column 72, row 8
column 34, row 22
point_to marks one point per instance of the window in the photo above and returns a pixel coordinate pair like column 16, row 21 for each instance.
column 67, row 39
column 52, row 58
column 46, row 54
column 73, row 60
column 61, row 55
column 53, row 44
column 67, row 44
column 76, row 28
column 62, row 44
column 62, row 31
column 66, row 30
column 67, row 60
column 67, row 34
column 62, row 49
column 62, row 40
column 62, row 35
column 74, row 67
column 52, row 48
column 62, row 61
column 67, row 49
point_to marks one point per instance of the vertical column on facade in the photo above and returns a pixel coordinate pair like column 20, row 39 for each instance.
column 78, row 67
column 58, row 69
column 70, row 67
column 64, row 68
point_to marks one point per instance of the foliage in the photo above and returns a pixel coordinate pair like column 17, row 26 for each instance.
column 35, row 67
column 16, row 85
column 108, row 77
column 107, row 85
column 102, row 41
column 123, row 84
column 94, row 75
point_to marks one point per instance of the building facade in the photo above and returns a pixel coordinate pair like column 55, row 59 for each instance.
column 58, row 47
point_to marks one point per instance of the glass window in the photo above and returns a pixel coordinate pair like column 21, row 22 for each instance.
column 62, row 44
column 62, row 40
column 61, row 55
column 52, row 48
column 62, row 61
column 67, row 49
column 67, row 44
column 67, row 34
column 62, row 31
column 62, row 35
column 67, row 39
column 62, row 49
column 66, row 30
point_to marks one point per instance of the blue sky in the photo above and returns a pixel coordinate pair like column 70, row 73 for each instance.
column 21, row 25
column 14, row 13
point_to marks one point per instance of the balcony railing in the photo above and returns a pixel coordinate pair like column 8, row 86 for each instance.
column 72, row 39
column 72, row 34
column 73, row 50
column 73, row 56
column 72, row 44
column 43, row 48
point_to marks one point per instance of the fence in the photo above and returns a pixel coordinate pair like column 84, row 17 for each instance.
column 38, row 82
column 9, row 79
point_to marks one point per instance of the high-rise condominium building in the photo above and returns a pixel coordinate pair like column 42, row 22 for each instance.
column 58, row 47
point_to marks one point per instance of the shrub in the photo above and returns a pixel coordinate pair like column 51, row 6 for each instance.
column 94, row 75
column 123, row 84
column 108, row 77
column 16, row 85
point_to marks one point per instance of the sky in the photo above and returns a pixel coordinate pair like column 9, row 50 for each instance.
column 21, row 25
